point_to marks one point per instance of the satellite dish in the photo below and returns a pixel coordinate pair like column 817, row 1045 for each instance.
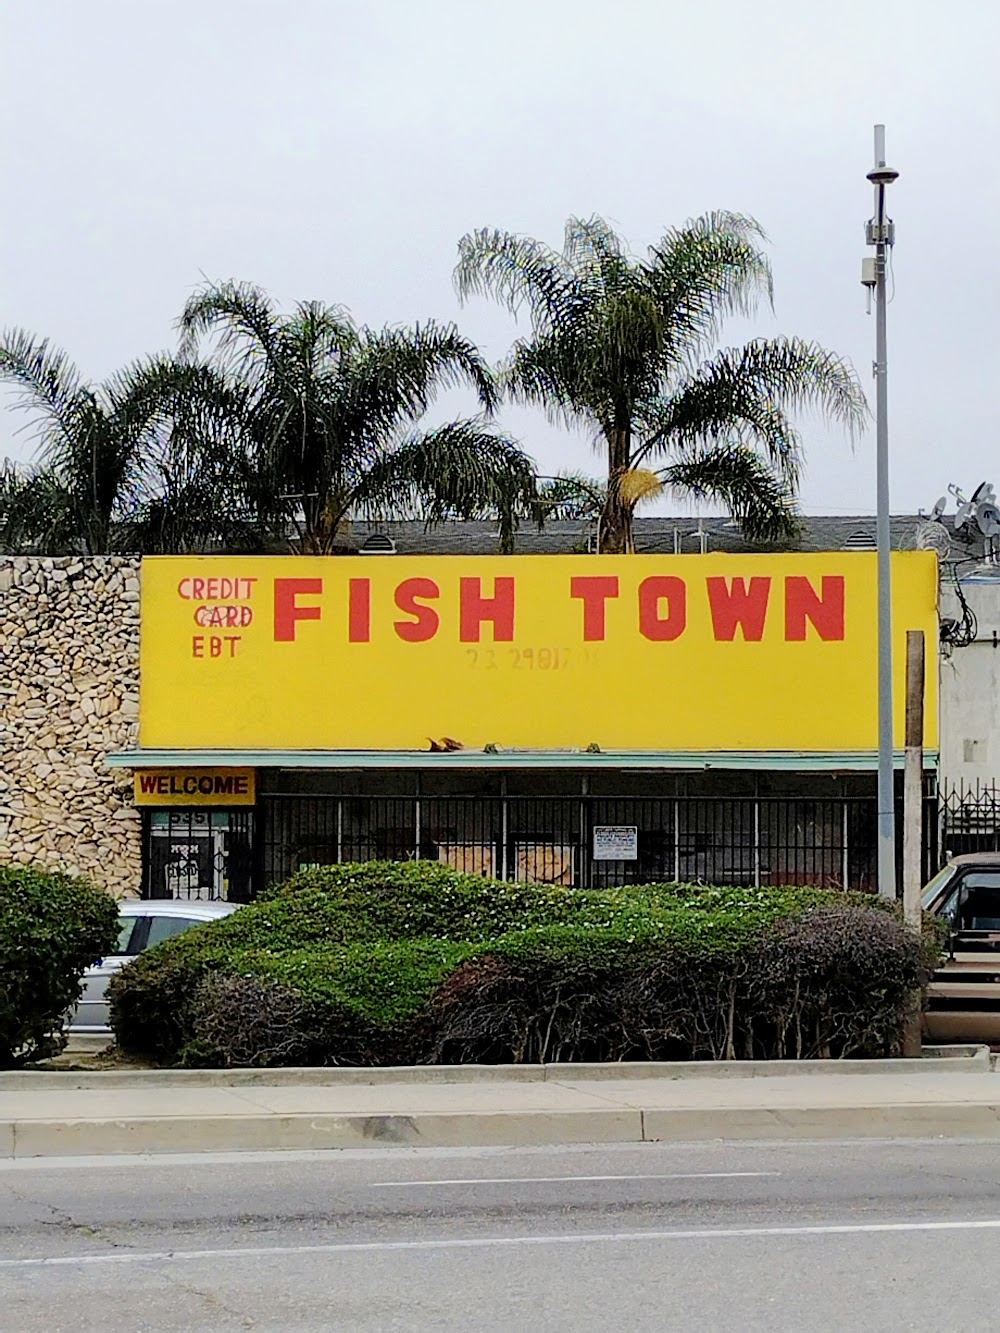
column 988, row 519
column 964, row 513
column 937, row 513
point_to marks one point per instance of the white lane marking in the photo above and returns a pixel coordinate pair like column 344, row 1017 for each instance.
column 496, row 1242
column 560, row 1180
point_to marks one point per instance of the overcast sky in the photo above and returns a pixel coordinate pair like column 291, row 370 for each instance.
column 337, row 150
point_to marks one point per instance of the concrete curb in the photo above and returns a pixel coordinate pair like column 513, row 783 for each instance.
column 949, row 1060
column 482, row 1129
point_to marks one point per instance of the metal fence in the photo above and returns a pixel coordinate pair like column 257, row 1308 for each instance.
column 765, row 840
column 198, row 855
column 231, row 854
column 969, row 817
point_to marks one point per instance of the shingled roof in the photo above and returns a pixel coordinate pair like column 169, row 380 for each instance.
column 663, row 536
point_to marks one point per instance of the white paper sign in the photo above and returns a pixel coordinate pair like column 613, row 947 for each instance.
column 616, row 842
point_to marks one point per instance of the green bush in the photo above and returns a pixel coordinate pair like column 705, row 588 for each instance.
column 388, row 963
column 52, row 927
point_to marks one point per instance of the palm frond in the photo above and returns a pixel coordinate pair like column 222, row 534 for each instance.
column 711, row 267
column 37, row 514
column 758, row 384
column 760, row 500
column 595, row 254
column 240, row 314
column 395, row 374
column 461, row 470
column 517, row 271
column 540, row 372
column 47, row 383
column 711, row 414
column 570, row 495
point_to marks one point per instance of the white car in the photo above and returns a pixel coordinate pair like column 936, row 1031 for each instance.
column 140, row 924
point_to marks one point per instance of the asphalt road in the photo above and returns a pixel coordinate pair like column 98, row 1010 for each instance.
column 833, row 1236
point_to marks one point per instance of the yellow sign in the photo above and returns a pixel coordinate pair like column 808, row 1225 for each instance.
column 646, row 652
column 195, row 786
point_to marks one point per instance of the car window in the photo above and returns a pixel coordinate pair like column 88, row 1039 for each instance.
column 162, row 927
column 977, row 901
column 126, row 929
column 935, row 886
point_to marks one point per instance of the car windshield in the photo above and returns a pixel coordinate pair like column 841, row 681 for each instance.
column 936, row 885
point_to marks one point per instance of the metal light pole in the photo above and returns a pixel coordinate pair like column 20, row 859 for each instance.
column 881, row 233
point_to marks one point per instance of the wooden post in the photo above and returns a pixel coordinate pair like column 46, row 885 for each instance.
column 913, row 779
column 913, row 807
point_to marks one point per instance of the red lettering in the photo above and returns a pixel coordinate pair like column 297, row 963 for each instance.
column 475, row 608
column 233, row 640
column 594, row 590
column 147, row 783
column 192, row 589
column 825, row 610
column 360, row 610
column 198, row 646
column 214, row 646
column 653, row 591
column 162, row 786
column 734, row 606
column 241, row 786
column 230, row 616
column 286, row 610
column 425, row 624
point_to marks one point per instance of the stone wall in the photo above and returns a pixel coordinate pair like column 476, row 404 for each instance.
column 69, row 694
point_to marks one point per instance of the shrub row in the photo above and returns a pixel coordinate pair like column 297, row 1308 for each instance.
column 52, row 927
column 387, row 963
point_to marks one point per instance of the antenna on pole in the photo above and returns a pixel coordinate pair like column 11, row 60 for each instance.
column 881, row 233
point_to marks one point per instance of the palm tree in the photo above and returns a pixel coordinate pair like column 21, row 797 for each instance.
column 105, row 452
column 572, row 496
column 327, row 412
column 627, row 347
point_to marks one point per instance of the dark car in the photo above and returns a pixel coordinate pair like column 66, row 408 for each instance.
column 963, row 1002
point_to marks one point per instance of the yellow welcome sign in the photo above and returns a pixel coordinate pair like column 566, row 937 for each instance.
column 646, row 652
column 195, row 786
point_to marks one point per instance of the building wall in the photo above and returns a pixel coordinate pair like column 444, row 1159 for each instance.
column 69, row 694
column 970, row 688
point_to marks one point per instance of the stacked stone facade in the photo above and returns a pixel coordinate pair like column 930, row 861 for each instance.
column 69, row 694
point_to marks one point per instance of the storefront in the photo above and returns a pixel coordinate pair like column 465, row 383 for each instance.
column 569, row 720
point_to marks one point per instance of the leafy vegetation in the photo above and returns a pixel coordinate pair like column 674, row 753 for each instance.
column 627, row 348
column 129, row 464
column 324, row 414
column 383, row 963
column 271, row 431
column 52, row 927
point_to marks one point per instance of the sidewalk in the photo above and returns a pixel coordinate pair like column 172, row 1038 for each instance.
column 173, row 1111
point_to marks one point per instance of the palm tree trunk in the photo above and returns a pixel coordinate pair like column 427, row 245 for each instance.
column 615, row 531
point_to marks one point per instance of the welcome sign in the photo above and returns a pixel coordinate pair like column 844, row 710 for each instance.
column 685, row 652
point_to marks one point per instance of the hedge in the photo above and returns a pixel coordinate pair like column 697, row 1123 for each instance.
column 52, row 927
column 387, row 963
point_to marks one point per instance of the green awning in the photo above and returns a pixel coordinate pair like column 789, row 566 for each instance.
column 845, row 761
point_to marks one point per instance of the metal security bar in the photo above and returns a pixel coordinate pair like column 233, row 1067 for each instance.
column 198, row 855
column 551, row 840
column 970, row 817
